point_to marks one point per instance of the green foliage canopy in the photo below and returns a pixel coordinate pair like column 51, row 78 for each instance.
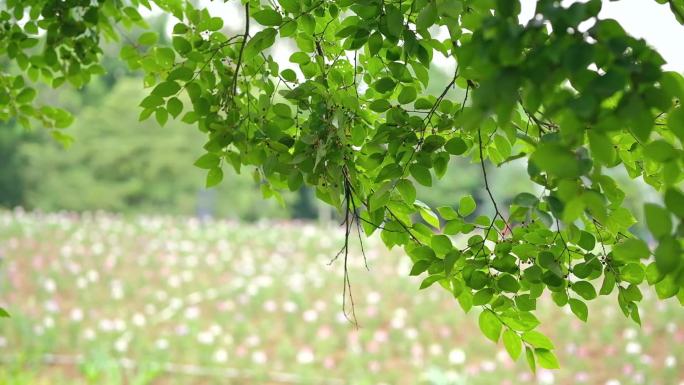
column 354, row 121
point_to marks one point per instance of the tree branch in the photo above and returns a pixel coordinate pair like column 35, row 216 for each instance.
column 245, row 36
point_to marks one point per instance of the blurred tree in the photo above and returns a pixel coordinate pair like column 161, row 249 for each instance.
column 117, row 163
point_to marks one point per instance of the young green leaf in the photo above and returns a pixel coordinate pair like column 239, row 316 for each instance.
column 490, row 325
column 546, row 359
column 214, row 176
column 512, row 343
column 466, row 205
column 579, row 308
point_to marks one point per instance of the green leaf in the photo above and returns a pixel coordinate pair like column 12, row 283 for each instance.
column 608, row 283
column 674, row 200
column 660, row 151
column 26, row 95
column 668, row 255
column 261, row 40
column 441, row 244
column 456, row 146
column 507, row 282
column 529, row 357
column 148, row 38
column 537, row 340
column 161, row 116
column 450, row 259
column 208, row 161
column 420, row 267
column 427, row 16
column 380, row 105
column 602, row 147
column 556, row 160
column 181, row 45
column 4, row 313
column 631, row 250
column 490, row 325
column 579, row 308
column 215, row 23
column 586, row 241
column 667, row 288
column 174, row 106
column 525, row 200
column 421, row 174
column 658, row 220
column 407, row 95
column 407, row 190
column 546, row 359
column 268, row 17
column 384, row 85
column 214, row 176
column 466, row 205
column 512, row 343
column 427, row 282
column 632, row 273
column 584, row 289
column 166, row 88
column 374, row 43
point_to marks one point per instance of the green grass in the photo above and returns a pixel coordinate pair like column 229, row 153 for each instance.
column 98, row 299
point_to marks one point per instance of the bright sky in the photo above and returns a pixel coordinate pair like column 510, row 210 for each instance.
column 641, row 18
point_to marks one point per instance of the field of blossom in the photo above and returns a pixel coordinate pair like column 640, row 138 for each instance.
column 103, row 299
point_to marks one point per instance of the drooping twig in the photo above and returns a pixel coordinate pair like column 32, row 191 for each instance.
column 245, row 36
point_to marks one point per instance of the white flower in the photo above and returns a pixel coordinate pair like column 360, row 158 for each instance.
column 457, row 356
column 613, row 382
column 92, row 276
column 633, row 348
column 215, row 330
column 119, row 325
column 373, row 297
column 259, row 357
column 192, row 312
column 49, row 322
column 221, row 356
column 106, row 325
column 187, row 276
column 162, row 344
column 138, row 320
column 205, row 338
column 670, row 361
column 289, row 307
column 81, row 283
column 51, row 306
column 50, row 286
column 270, row 306
column 76, row 315
column 671, row 327
column 121, row 345
column 89, row 334
column 305, row 356
column 252, row 340
column 411, row 333
column 310, row 315
column 117, row 291
column 3, row 342
column 545, row 377
column 174, row 281
column 488, row 366
column 629, row 334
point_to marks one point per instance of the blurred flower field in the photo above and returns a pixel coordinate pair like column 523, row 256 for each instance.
column 104, row 299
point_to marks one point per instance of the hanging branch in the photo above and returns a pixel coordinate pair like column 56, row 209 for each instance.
column 245, row 36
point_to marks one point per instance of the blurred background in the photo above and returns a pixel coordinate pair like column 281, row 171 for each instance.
column 119, row 268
